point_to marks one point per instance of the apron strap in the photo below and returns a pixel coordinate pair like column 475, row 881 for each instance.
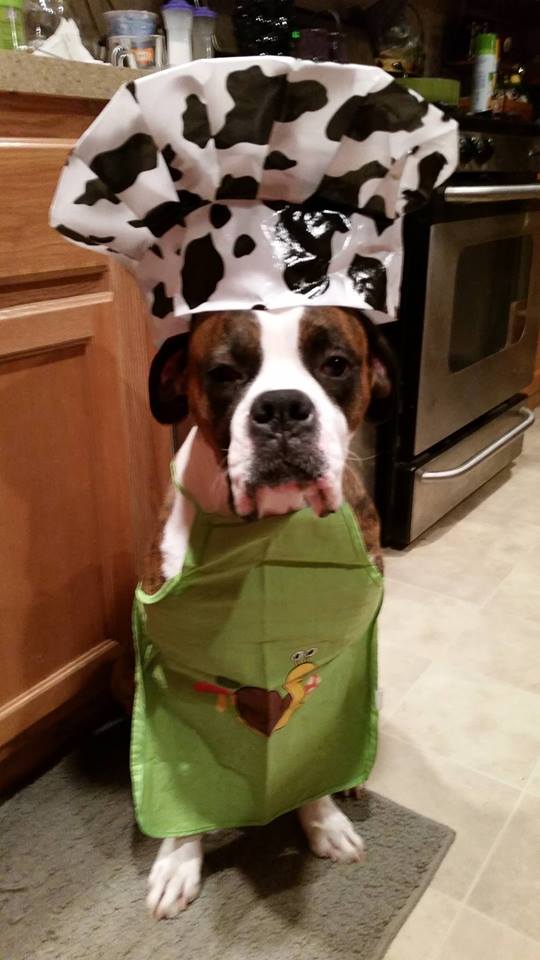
column 181, row 489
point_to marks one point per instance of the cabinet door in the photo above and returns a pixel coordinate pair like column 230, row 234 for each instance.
column 65, row 547
column 29, row 248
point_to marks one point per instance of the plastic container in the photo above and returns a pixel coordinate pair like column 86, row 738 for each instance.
column 130, row 23
column 485, row 72
column 178, row 19
column 11, row 25
column 202, row 37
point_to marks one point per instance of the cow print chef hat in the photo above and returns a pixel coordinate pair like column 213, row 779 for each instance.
column 268, row 182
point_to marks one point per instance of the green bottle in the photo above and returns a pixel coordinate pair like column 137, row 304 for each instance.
column 485, row 72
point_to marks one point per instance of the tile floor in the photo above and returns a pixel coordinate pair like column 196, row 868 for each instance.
column 460, row 727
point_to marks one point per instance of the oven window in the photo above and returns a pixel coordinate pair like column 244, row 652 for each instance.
column 492, row 282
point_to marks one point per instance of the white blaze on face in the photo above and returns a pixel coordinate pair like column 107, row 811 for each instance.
column 283, row 369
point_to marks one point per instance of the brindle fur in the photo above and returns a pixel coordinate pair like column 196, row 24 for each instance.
column 152, row 575
column 368, row 520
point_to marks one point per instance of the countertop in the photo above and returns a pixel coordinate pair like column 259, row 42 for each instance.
column 26, row 73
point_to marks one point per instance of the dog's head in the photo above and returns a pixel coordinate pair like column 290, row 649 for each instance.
column 278, row 395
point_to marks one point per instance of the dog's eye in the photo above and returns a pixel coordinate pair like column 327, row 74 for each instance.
column 224, row 373
column 335, row 366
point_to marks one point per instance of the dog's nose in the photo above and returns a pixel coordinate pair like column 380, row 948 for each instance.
column 282, row 411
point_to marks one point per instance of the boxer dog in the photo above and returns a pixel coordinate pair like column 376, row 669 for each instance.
column 275, row 398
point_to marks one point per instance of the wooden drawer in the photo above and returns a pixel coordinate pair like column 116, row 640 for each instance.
column 29, row 248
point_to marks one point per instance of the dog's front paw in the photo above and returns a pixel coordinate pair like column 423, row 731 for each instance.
column 175, row 878
column 330, row 833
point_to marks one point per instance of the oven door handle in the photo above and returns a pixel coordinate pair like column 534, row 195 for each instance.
column 492, row 194
column 527, row 421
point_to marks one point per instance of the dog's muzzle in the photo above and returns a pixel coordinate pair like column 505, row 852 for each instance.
column 283, row 426
column 287, row 464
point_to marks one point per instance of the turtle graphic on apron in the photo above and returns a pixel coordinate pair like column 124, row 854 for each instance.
column 256, row 673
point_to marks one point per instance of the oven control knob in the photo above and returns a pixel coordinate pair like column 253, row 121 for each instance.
column 485, row 148
column 467, row 149
column 534, row 158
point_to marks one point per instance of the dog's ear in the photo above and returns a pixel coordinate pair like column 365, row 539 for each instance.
column 167, row 380
column 383, row 373
column 383, row 396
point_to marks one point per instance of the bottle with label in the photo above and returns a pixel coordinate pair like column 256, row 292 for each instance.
column 485, row 72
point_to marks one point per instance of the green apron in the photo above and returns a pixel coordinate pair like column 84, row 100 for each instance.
column 256, row 673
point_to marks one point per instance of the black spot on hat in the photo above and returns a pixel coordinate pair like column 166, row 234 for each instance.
column 190, row 201
column 429, row 169
column 375, row 209
column 161, row 218
column 162, row 304
column 130, row 86
column 244, row 246
column 303, row 237
column 119, row 168
column 260, row 100
column 259, row 306
column 202, row 270
column 237, row 188
column 95, row 190
column 369, row 278
column 169, row 157
column 344, row 190
column 277, row 205
column 302, row 96
column 157, row 250
column 276, row 160
column 219, row 215
column 171, row 213
column 391, row 109
column 89, row 240
column 196, row 123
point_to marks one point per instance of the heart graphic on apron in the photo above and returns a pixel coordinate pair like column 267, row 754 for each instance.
column 261, row 709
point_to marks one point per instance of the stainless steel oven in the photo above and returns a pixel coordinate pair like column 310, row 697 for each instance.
column 467, row 332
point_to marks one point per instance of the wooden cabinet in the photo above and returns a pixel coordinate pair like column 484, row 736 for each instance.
column 83, row 466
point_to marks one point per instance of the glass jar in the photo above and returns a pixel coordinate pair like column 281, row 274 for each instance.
column 41, row 19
